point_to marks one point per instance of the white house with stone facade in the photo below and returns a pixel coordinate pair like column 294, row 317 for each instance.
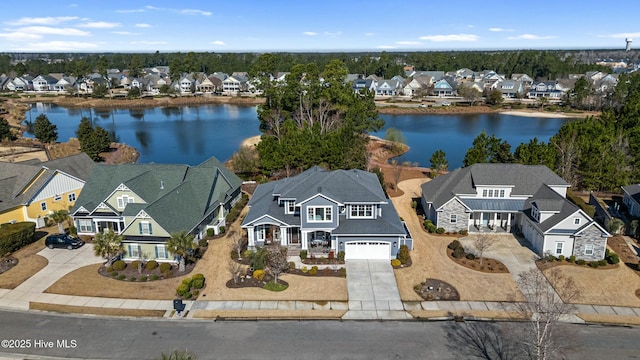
column 525, row 199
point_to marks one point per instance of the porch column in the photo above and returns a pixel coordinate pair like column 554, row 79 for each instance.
column 495, row 221
column 334, row 245
column 284, row 236
column 251, row 235
column 508, row 221
column 303, row 238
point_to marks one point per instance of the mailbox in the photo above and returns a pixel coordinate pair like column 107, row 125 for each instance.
column 178, row 305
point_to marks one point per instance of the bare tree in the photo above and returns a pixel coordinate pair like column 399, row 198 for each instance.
column 546, row 309
column 482, row 243
column 277, row 262
column 235, row 269
column 238, row 244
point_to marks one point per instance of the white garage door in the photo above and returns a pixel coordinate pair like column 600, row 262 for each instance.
column 367, row 250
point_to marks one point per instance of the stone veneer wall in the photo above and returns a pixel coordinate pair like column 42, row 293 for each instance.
column 444, row 217
column 592, row 235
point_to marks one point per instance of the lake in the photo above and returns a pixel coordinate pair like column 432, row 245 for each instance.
column 191, row 134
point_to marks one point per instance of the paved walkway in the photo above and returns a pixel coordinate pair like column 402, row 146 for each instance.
column 373, row 291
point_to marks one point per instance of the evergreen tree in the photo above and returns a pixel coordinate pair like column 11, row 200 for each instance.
column 439, row 161
column 44, row 130
column 5, row 130
column 93, row 140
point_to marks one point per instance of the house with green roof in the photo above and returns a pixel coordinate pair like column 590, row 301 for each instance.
column 525, row 199
column 322, row 211
column 148, row 202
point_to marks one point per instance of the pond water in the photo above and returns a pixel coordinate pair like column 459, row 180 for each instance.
column 192, row 134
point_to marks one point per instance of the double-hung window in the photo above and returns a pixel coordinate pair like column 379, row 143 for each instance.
column 319, row 213
column 588, row 249
column 123, row 201
column 453, row 219
column 72, row 197
column 145, row 228
column 85, row 225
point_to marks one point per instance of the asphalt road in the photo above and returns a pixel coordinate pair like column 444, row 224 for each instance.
column 109, row 338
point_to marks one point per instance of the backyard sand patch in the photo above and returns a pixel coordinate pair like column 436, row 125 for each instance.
column 69, row 309
column 614, row 286
column 430, row 260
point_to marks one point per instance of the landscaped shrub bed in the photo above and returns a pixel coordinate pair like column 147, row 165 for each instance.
column 610, row 261
column 457, row 253
column 250, row 281
column 434, row 289
column 15, row 236
column 132, row 273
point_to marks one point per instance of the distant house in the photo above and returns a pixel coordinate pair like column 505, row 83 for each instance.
column 232, row 85
column 65, row 83
column 444, row 87
column 44, row 83
column 364, row 84
column 526, row 199
column 631, row 199
column 510, row 89
column 526, row 80
column 148, row 202
column 327, row 211
column 548, row 89
column 30, row 192
column 387, row 87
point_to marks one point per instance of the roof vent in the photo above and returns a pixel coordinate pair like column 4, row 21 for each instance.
column 161, row 185
column 319, row 189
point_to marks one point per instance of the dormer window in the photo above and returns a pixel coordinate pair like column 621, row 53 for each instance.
column 319, row 213
column 535, row 213
column 362, row 211
column 123, row 201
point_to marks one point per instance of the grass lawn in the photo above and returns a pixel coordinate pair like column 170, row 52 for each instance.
column 29, row 262
column 69, row 309
column 430, row 260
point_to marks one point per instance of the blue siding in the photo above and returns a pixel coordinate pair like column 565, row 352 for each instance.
column 319, row 201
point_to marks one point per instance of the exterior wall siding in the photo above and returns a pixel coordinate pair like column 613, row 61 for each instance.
column 113, row 200
column 34, row 210
column 590, row 236
column 148, row 251
column 454, row 207
column 319, row 201
column 58, row 185
column 133, row 229
column 12, row 214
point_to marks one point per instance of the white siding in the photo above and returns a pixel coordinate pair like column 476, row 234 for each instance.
column 59, row 184
column 568, row 223
column 550, row 245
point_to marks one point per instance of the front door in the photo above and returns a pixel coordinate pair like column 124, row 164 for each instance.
column 485, row 219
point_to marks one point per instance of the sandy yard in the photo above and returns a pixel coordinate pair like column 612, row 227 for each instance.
column 430, row 261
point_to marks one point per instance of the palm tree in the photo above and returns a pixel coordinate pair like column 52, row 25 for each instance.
column 59, row 216
column 108, row 245
column 181, row 244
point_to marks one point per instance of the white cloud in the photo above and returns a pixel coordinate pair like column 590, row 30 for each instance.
column 143, row 25
column 46, row 30
column 100, row 25
column 450, row 37
column 385, row 47
column 146, row 42
column 369, row 34
column 408, row 42
column 58, row 46
column 41, row 20
column 19, row 36
column 497, row 29
column 130, row 11
column 310, row 33
column 622, row 35
column 124, row 33
column 530, row 37
column 337, row 33
column 195, row 12
column 219, row 42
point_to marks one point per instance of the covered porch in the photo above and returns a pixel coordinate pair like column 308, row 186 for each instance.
column 493, row 214
column 273, row 234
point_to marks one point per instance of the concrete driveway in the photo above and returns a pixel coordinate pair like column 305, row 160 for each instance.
column 373, row 291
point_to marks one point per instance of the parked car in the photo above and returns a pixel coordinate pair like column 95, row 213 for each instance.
column 63, row 241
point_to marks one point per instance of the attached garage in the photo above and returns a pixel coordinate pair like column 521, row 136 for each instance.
column 378, row 250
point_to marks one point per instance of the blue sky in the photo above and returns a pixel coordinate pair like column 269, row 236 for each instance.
column 303, row 25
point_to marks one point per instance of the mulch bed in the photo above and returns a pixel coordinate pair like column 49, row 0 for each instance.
column 322, row 261
column 405, row 265
column 7, row 263
column 627, row 256
column 434, row 289
column 489, row 265
column 544, row 264
column 320, row 273
column 249, row 281
column 130, row 272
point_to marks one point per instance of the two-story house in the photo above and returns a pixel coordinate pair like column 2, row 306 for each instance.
column 526, row 199
column 323, row 211
column 148, row 202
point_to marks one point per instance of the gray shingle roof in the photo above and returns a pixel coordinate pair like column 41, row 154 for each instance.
column 552, row 201
column 388, row 224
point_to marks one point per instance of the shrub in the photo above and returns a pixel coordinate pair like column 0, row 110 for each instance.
column 343, row 272
column 463, row 232
column 133, row 278
column 203, row 243
column 135, row 264
column 73, row 230
column 187, row 295
column 114, row 273
column 313, row 271
column 121, row 277
column 602, row 262
column 580, row 262
column 572, row 259
column 15, row 236
column 211, row 231
column 440, row 230
column 292, row 265
column 222, row 229
column 119, row 265
column 187, row 282
column 303, row 254
column 414, row 204
column 198, row 276
column 427, row 222
column 258, row 275
column 458, row 253
column 197, row 283
column 594, row 264
column 143, row 279
column 331, row 255
column 403, row 254
column 247, row 254
column 151, row 265
column 182, row 289
column 613, row 259
column 396, row 263
column 454, row 245
column 471, row 256
column 561, row 258
column 165, row 268
column 195, row 293
column 341, row 255
column 431, row 228
column 154, row 277
column 108, row 269
column 304, row 269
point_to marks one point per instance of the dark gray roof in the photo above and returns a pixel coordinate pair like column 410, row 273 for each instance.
column 551, row 201
column 388, row 224
column 177, row 197
column 633, row 191
column 15, row 176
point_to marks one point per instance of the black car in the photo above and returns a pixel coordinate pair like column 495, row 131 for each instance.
column 63, row 241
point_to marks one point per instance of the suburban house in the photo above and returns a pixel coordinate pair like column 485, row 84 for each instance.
column 30, row 192
column 327, row 211
column 549, row 89
column 444, row 87
column 388, row 87
column 148, row 202
column 524, row 199
column 631, row 198
column 510, row 89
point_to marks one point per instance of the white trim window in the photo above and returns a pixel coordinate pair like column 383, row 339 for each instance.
column 261, row 232
column 576, row 221
column 362, row 211
column 85, row 225
column 588, row 249
column 319, row 213
column 289, row 206
column 535, row 213
column 43, row 206
column 161, row 252
column 145, row 228
column 72, row 197
column 134, row 251
column 559, row 247
column 124, row 200
column 453, row 219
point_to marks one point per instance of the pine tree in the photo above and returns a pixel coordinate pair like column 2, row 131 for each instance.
column 44, row 130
